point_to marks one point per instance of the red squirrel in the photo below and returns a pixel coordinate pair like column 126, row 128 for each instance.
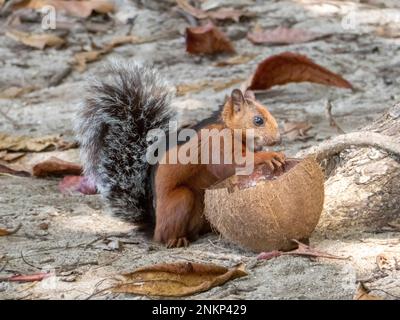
column 122, row 106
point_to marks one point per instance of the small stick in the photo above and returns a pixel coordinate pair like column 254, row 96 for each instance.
column 11, row 120
column 332, row 121
column 28, row 263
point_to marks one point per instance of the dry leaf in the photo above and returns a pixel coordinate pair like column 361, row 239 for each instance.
column 4, row 232
column 269, row 255
column 43, row 226
column 39, row 41
column 183, row 89
column 26, row 143
column 363, row 294
column 2, row 2
column 26, row 277
column 229, row 14
column 296, row 130
column 71, row 184
column 82, row 9
column 120, row 40
column 177, row 279
column 83, row 58
column 56, row 167
column 387, row 32
column 15, row 92
column 222, row 85
column 292, row 67
column 281, row 35
column 386, row 262
column 207, row 39
column 10, row 156
column 240, row 59
column 9, row 171
column 195, row 12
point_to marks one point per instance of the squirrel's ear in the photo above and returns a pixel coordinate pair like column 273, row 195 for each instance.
column 249, row 95
column 237, row 99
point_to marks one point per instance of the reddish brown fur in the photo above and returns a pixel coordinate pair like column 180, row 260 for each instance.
column 180, row 187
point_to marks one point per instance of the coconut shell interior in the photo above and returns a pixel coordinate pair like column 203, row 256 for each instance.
column 260, row 173
column 266, row 210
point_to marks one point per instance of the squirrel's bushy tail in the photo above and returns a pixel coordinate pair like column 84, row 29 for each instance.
column 123, row 104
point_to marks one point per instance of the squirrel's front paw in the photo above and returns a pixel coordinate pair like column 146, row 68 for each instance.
column 177, row 242
column 274, row 160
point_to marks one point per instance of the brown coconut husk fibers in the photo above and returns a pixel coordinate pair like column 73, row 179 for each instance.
column 266, row 210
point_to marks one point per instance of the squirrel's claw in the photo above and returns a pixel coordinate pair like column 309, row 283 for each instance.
column 274, row 160
column 177, row 242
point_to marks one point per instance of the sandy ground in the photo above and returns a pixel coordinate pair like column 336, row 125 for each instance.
column 74, row 247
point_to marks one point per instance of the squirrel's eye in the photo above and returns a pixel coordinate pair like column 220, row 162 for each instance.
column 258, row 121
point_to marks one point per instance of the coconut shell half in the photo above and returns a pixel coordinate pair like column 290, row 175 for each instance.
column 264, row 211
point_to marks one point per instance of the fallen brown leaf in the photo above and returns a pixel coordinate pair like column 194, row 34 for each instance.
column 15, row 92
column 363, row 294
column 280, row 35
column 386, row 262
column 39, row 41
column 20, row 173
column 43, row 226
column 120, row 40
column 387, row 32
column 82, row 9
column 177, row 279
column 10, row 156
column 2, row 2
column 183, row 89
column 229, row 14
column 207, row 39
column 35, row 144
column 292, row 67
column 4, row 232
column 296, row 130
column 81, row 184
column 195, row 12
column 222, row 85
column 26, row 277
column 83, row 58
column 240, row 59
column 56, row 167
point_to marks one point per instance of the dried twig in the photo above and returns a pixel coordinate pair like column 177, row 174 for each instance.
column 11, row 120
column 59, row 77
column 332, row 121
column 28, row 263
column 4, row 266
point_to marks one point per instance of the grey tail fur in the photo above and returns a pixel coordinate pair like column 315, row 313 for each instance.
column 123, row 104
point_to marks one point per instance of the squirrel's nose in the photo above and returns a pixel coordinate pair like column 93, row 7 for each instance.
column 277, row 140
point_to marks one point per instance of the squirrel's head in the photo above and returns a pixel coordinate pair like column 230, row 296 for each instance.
column 244, row 112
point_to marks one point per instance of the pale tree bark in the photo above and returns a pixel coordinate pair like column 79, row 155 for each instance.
column 362, row 188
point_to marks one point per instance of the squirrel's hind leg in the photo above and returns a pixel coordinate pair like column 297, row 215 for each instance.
column 173, row 217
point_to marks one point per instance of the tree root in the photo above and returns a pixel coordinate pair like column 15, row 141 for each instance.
column 337, row 144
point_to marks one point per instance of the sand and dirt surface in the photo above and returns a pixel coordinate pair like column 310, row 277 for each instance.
column 72, row 237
